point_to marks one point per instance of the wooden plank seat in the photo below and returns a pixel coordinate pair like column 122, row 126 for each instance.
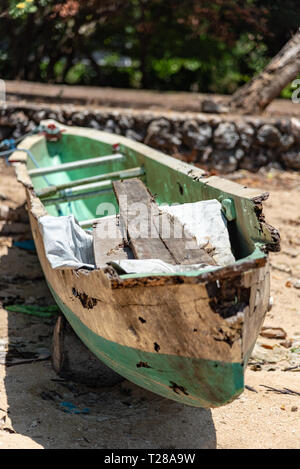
column 151, row 233
column 110, row 241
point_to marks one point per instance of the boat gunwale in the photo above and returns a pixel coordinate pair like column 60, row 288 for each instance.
column 19, row 157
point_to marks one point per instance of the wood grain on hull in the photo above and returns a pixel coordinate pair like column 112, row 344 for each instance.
column 184, row 319
column 192, row 381
column 186, row 337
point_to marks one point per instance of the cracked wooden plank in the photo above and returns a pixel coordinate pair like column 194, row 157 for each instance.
column 159, row 235
column 110, row 241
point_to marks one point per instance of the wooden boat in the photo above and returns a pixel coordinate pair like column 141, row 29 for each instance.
column 187, row 336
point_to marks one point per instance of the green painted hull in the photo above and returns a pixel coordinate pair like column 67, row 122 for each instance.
column 203, row 369
column 204, row 383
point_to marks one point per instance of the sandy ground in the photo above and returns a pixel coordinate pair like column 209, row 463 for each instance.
column 125, row 416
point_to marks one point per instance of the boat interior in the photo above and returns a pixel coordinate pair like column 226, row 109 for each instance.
column 82, row 176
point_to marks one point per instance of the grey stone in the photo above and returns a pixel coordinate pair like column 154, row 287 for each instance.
column 214, row 140
column 269, row 136
column 273, row 165
column 246, row 134
column 204, row 154
column 31, row 126
column 18, row 132
column 100, row 117
column 134, row 135
column 286, row 141
column 246, row 163
column 284, row 126
column 94, row 124
column 126, row 122
column 19, row 119
column 195, row 136
column 254, row 161
column 226, row 136
column 223, row 161
column 295, row 128
column 110, row 126
column 78, row 118
column 40, row 115
column 291, row 159
column 160, row 135
column 296, row 284
column 261, row 159
column 55, row 116
column 162, row 125
column 239, row 154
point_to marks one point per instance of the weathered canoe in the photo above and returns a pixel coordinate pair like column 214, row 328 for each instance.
column 187, row 337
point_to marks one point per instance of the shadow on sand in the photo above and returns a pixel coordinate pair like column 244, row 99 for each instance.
column 60, row 413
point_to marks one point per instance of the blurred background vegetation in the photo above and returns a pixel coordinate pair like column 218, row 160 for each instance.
column 186, row 45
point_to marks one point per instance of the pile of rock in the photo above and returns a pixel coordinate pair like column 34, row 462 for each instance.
column 222, row 142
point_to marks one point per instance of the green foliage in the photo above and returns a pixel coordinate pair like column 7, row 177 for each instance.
column 22, row 8
column 209, row 46
column 290, row 89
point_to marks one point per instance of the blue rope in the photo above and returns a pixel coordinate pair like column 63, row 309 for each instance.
column 59, row 210
column 10, row 144
column 7, row 152
column 35, row 163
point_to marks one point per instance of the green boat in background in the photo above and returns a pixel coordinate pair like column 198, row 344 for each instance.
column 186, row 335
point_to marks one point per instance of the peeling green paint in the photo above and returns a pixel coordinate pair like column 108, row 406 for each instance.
column 197, row 382
column 206, row 383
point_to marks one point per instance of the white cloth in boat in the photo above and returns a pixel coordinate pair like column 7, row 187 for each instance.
column 205, row 221
column 66, row 244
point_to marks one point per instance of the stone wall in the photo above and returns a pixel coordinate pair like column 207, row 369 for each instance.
column 221, row 142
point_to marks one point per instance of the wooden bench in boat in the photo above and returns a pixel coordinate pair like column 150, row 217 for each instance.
column 151, row 233
column 110, row 241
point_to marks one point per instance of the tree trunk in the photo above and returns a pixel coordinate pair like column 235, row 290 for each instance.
column 255, row 96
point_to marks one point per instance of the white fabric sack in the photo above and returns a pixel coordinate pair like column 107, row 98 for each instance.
column 66, row 244
column 205, row 221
